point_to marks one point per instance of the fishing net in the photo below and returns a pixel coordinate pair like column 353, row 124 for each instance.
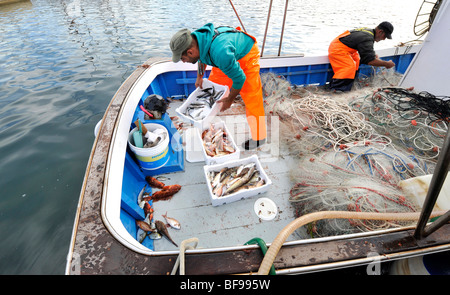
column 314, row 119
column 347, row 158
column 378, row 77
column 420, row 120
column 359, row 178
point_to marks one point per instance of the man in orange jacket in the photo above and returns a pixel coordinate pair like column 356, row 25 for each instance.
column 351, row 48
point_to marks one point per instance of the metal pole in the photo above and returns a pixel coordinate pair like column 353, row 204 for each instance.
column 436, row 224
column 238, row 16
column 267, row 25
column 282, row 29
column 436, row 183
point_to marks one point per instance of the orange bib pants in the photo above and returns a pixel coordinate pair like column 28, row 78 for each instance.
column 251, row 91
column 343, row 59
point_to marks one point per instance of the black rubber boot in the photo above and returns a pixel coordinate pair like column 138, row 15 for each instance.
column 252, row 144
column 341, row 85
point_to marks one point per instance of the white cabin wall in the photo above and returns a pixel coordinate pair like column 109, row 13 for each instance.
column 430, row 68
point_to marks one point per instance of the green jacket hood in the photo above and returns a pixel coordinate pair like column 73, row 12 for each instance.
column 204, row 38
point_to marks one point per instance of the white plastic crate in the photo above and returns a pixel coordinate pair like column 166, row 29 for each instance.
column 240, row 195
column 193, row 97
column 218, row 159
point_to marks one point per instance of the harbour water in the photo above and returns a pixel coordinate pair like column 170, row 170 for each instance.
column 61, row 61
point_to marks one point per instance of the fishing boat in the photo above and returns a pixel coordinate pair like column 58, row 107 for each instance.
column 230, row 236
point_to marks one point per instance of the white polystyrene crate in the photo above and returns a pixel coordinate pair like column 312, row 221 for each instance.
column 218, row 159
column 193, row 96
column 240, row 195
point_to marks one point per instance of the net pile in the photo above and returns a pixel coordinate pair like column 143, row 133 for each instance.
column 362, row 179
column 314, row 119
column 420, row 120
column 346, row 162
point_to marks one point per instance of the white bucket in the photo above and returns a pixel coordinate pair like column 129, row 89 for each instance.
column 154, row 157
column 428, row 264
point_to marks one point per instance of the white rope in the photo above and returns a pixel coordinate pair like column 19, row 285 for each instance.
column 180, row 262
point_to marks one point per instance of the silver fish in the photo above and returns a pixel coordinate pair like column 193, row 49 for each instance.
column 141, row 235
column 250, row 185
column 229, row 180
column 202, row 104
column 172, row 221
column 244, row 168
column 198, row 104
column 218, row 191
column 218, row 177
column 140, row 197
column 197, row 113
column 155, row 235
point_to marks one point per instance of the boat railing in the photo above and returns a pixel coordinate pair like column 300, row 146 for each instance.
column 423, row 230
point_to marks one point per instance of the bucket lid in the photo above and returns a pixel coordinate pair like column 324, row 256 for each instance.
column 265, row 209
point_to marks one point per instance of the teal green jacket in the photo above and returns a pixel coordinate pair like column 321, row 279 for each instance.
column 225, row 51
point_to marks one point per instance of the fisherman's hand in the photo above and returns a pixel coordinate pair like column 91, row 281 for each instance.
column 390, row 64
column 228, row 100
column 199, row 82
column 225, row 102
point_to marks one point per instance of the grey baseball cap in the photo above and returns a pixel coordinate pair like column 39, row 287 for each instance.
column 180, row 42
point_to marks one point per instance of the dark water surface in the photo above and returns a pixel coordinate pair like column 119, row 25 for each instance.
column 61, row 63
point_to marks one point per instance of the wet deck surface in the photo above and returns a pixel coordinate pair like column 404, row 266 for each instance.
column 231, row 224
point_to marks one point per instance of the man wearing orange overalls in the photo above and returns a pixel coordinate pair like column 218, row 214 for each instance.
column 351, row 48
column 234, row 56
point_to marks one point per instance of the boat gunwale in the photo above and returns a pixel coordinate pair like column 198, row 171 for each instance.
column 95, row 154
column 362, row 261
